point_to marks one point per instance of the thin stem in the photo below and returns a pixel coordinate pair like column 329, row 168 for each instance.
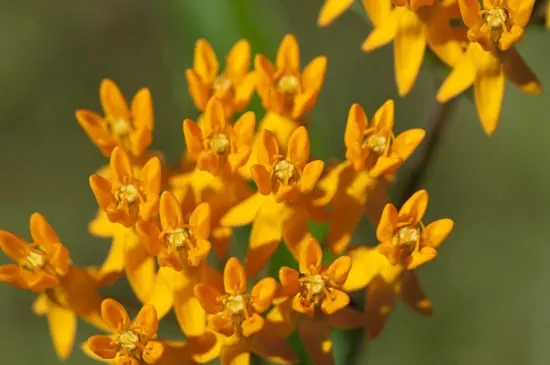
column 435, row 124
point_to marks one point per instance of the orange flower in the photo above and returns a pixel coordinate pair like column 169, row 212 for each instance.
column 235, row 313
column 130, row 128
column 41, row 264
column 131, row 343
column 127, row 198
column 217, row 145
column 499, row 25
column 374, row 147
column 179, row 244
column 404, row 240
column 319, row 287
column 285, row 90
column 288, row 177
column 234, row 87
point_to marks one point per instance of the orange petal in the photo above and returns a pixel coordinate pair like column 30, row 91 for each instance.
column 407, row 142
column 193, row 138
column 200, row 92
column 153, row 352
column 355, row 126
column 147, row 320
column 252, row 324
column 338, row 271
column 200, row 220
column 314, row 73
column 11, row 274
column 290, row 281
column 310, row 175
column 150, row 233
column 338, row 300
column 120, row 167
column 101, row 188
column 142, row 109
column 415, row 207
column 387, row 224
column 41, row 231
column 262, row 178
column 298, row 147
column 59, row 258
column 470, row 10
column 262, row 294
column 288, row 55
column 114, row 314
column 331, row 10
column 245, row 212
column 151, row 175
column 436, row 232
column 268, row 148
column 311, row 255
column 384, row 117
column 238, row 60
column 208, row 298
column 40, row 281
column 103, row 346
column 461, row 77
column 171, row 216
column 222, row 324
column 214, row 118
column 417, row 258
column 382, row 34
column 14, row 247
column 205, row 63
column 113, row 102
column 234, row 277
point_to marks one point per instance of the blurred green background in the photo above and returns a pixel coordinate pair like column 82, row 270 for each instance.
column 490, row 284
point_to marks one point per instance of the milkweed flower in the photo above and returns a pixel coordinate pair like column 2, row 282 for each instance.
column 359, row 184
column 41, row 264
column 216, row 145
column 127, row 127
column 412, row 30
column 127, row 198
column 280, row 207
column 491, row 57
column 233, row 87
column 404, row 239
column 131, row 343
column 236, row 314
column 316, row 295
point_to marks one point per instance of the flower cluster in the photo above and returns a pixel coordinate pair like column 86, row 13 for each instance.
column 171, row 227
column 481, row 51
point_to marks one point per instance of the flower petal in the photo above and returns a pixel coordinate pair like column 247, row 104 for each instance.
column 152, row 352
column 103, row 346
column 337, row 301
column 171, row 216
column 436, row 232
column 331, row 10
column 290, row 281
column 298, row 147
column 114, row 314
column 113, row 102
column 311, row 256
column 200, row 220
column 415, row 207
column 62, row 323
column 387, row 224
column 147, row 320
column 234, row 277
column 288, row 55
column 205, row 63
column 339, row 270
column 262, row 294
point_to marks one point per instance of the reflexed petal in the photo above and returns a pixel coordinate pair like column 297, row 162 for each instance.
column 378, row 11
column 115, row 315
column 461, row 77
column 190, row 311
column 519, row 73
column 315, row 336
column 413, row 295
column 382, row 34
column 379, row 300
column 62, row 323
column 234, row 277
column 243, row 213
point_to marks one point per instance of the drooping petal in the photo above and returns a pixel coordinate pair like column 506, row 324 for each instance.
column 243, row 213
column 189, row 310
column 461, row 77
column 367, row 262
column 62, row 324
column 489, row 90
column 520, row 74
column 379, row 300
column 413, row 294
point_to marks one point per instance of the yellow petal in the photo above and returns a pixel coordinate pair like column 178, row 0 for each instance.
column 288, row 55
column 331, row 10
column 193, row 138
column 461, row 77
column 171, row 216
column 162, row 294
column 310, row 175
column 339, row 270
column 200, row 220
column 152, row 352
column 243, row 213
column 378, row 10
column 366, row 264
column 262, row 294
column 436, row 232
column 489, row 90
column 409, row 47
column 189, row 312
column 387, row 224
column 234, row 277
column 62, row 323
column 415, row 207
column 382, row 34
column 407, row 142
column 337, row 301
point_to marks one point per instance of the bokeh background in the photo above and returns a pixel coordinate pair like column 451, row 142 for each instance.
column 490, row 285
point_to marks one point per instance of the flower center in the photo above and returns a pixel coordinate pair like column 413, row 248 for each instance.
column 129, row 193
column 34, row 260
column 222, row 84
column 235, row 304
column 495, row 20
column 128, row 340
column 376, row 143
column 316, row 284
column 219, row 143
column 178, row 238
column 406, row 236
column 288, row 84
column 121, row 127
column 285, row 172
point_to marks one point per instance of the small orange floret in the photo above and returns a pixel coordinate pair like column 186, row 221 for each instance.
column 126, row 198
column 40, row 264
column 235, row 312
